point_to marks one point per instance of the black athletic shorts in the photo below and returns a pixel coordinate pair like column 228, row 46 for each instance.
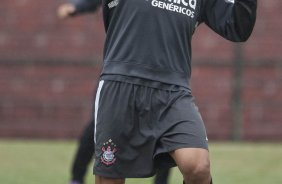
column 136, row 126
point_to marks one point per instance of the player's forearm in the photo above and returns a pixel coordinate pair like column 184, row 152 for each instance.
column 245, row 17
column 234, row 20
column 85, row 6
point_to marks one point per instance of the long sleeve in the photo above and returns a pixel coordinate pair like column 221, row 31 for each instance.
column 84, row 6
column 232, row 19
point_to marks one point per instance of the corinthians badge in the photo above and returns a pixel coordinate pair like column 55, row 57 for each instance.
column 109, row 149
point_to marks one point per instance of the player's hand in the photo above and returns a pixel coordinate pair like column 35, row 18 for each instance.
column 65, row 10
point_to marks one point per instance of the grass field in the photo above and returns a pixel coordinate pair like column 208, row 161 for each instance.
column 48, row 162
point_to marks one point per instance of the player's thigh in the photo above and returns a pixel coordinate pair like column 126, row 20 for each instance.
column 103, row 180
column 191, row 159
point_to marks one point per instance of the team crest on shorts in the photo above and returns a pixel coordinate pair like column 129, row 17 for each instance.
column 109, row 149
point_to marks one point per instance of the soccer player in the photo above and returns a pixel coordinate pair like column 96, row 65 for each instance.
column 145, row 116
column 84, row 153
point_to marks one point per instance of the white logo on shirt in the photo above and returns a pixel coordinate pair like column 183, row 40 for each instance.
column 186, row 7
column 230, row 1
column 113, row 3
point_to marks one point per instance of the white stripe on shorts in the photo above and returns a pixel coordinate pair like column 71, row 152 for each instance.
column 97, row 105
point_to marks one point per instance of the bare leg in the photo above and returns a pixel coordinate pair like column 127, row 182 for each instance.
column 103, row 180
column 194, row 164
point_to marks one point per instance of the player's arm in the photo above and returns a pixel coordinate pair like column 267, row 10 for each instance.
column 232, row 19
column 76, row 7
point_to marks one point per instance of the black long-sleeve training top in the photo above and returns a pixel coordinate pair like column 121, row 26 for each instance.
column 151, row 39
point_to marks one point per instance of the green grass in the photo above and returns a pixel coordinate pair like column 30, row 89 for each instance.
column 48, row 162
